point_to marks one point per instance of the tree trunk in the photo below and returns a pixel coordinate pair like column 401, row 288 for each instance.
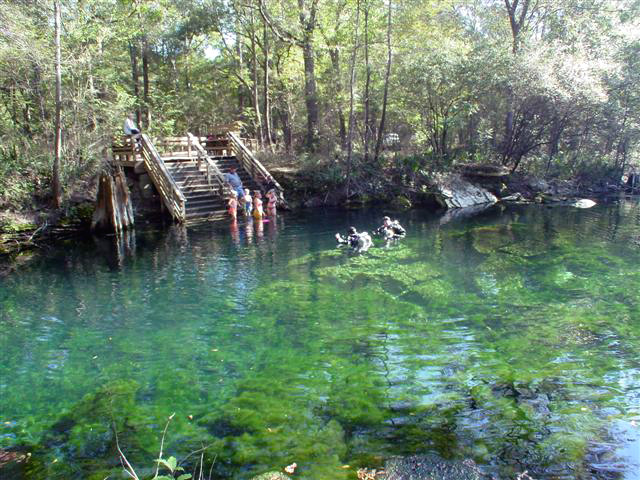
column 240, row 69
column 554, row 140
column 342, row 127
column 14, row 106
column 267, row 100
column 135, row 77
column 286, row 128
column 113, row 206
column 26, row 116
column 352, row 81
column 517, row 21
column 367, row 83
column 57, row 189
column 307, row 22
column 145, row 83
column 386, row 88
column 254, row 86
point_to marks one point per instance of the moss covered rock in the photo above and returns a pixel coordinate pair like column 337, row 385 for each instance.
column 431, row 467
column 271, row 476
column 401, row 203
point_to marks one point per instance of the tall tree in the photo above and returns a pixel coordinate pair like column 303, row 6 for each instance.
column 387, row 74
column 56, row 184
column 367, row 84
column 266, row 87
column 307, row 18
column 352, row 81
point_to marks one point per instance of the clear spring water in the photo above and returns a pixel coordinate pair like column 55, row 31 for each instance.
column 511, row 337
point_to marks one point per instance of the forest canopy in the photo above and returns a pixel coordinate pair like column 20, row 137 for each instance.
column 552, row 87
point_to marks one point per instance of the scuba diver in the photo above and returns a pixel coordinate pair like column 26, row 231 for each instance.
column 358, row 241
column 390, row 229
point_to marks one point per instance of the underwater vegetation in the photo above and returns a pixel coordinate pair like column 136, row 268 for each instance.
column 510, row 339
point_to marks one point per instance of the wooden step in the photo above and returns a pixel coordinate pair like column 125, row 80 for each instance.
column 178, row 155
column 193, row 182
column 202, row 194
column 203, row 205
column 184, row 177
column 204, row 197
column 200, row 213
column 204, row 188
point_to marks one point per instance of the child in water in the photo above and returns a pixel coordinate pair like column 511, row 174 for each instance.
column 257, row 205
column 247, row 202
column 271, row 204
column 233, row 205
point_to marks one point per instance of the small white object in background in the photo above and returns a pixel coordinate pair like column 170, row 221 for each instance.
column 584, row 203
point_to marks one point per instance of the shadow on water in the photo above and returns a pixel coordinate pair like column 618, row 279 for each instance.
column 509, row 335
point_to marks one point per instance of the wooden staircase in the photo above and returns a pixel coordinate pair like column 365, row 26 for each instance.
column 202, row 202
column 188, row 172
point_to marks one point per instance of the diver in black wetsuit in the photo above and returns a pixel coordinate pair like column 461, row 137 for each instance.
column 358, row 241
column 390, row 229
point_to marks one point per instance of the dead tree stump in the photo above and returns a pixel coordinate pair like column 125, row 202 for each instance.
column 113, row 206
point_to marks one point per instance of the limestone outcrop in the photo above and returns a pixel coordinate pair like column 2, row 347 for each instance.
column 453, row 191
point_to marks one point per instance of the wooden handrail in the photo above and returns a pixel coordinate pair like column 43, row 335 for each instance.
column 124, row 149
column 251, row 164
column 169, row 191
column 212, row 168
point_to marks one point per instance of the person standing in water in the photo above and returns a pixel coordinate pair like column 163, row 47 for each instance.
column 247, row 202
column 271, row 203
column 233, row 205
column 257, row 205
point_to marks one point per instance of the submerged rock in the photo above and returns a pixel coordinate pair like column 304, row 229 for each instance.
column 463, row 213
column 8, row 456
column 271, row 476
column 430, row 467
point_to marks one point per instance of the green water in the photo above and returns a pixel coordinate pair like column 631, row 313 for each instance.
column 510, row 337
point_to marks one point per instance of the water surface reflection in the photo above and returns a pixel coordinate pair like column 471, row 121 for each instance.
column 509, row 336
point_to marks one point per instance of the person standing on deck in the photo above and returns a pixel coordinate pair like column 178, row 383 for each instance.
column 131, row 130
column 130, row 127
column 233, row 179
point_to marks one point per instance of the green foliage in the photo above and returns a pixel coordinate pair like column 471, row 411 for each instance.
column 457, row 74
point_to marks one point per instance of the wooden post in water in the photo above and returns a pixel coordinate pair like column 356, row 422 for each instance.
column 113, row 207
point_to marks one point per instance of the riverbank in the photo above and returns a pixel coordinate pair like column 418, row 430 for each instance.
column 394, row 189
